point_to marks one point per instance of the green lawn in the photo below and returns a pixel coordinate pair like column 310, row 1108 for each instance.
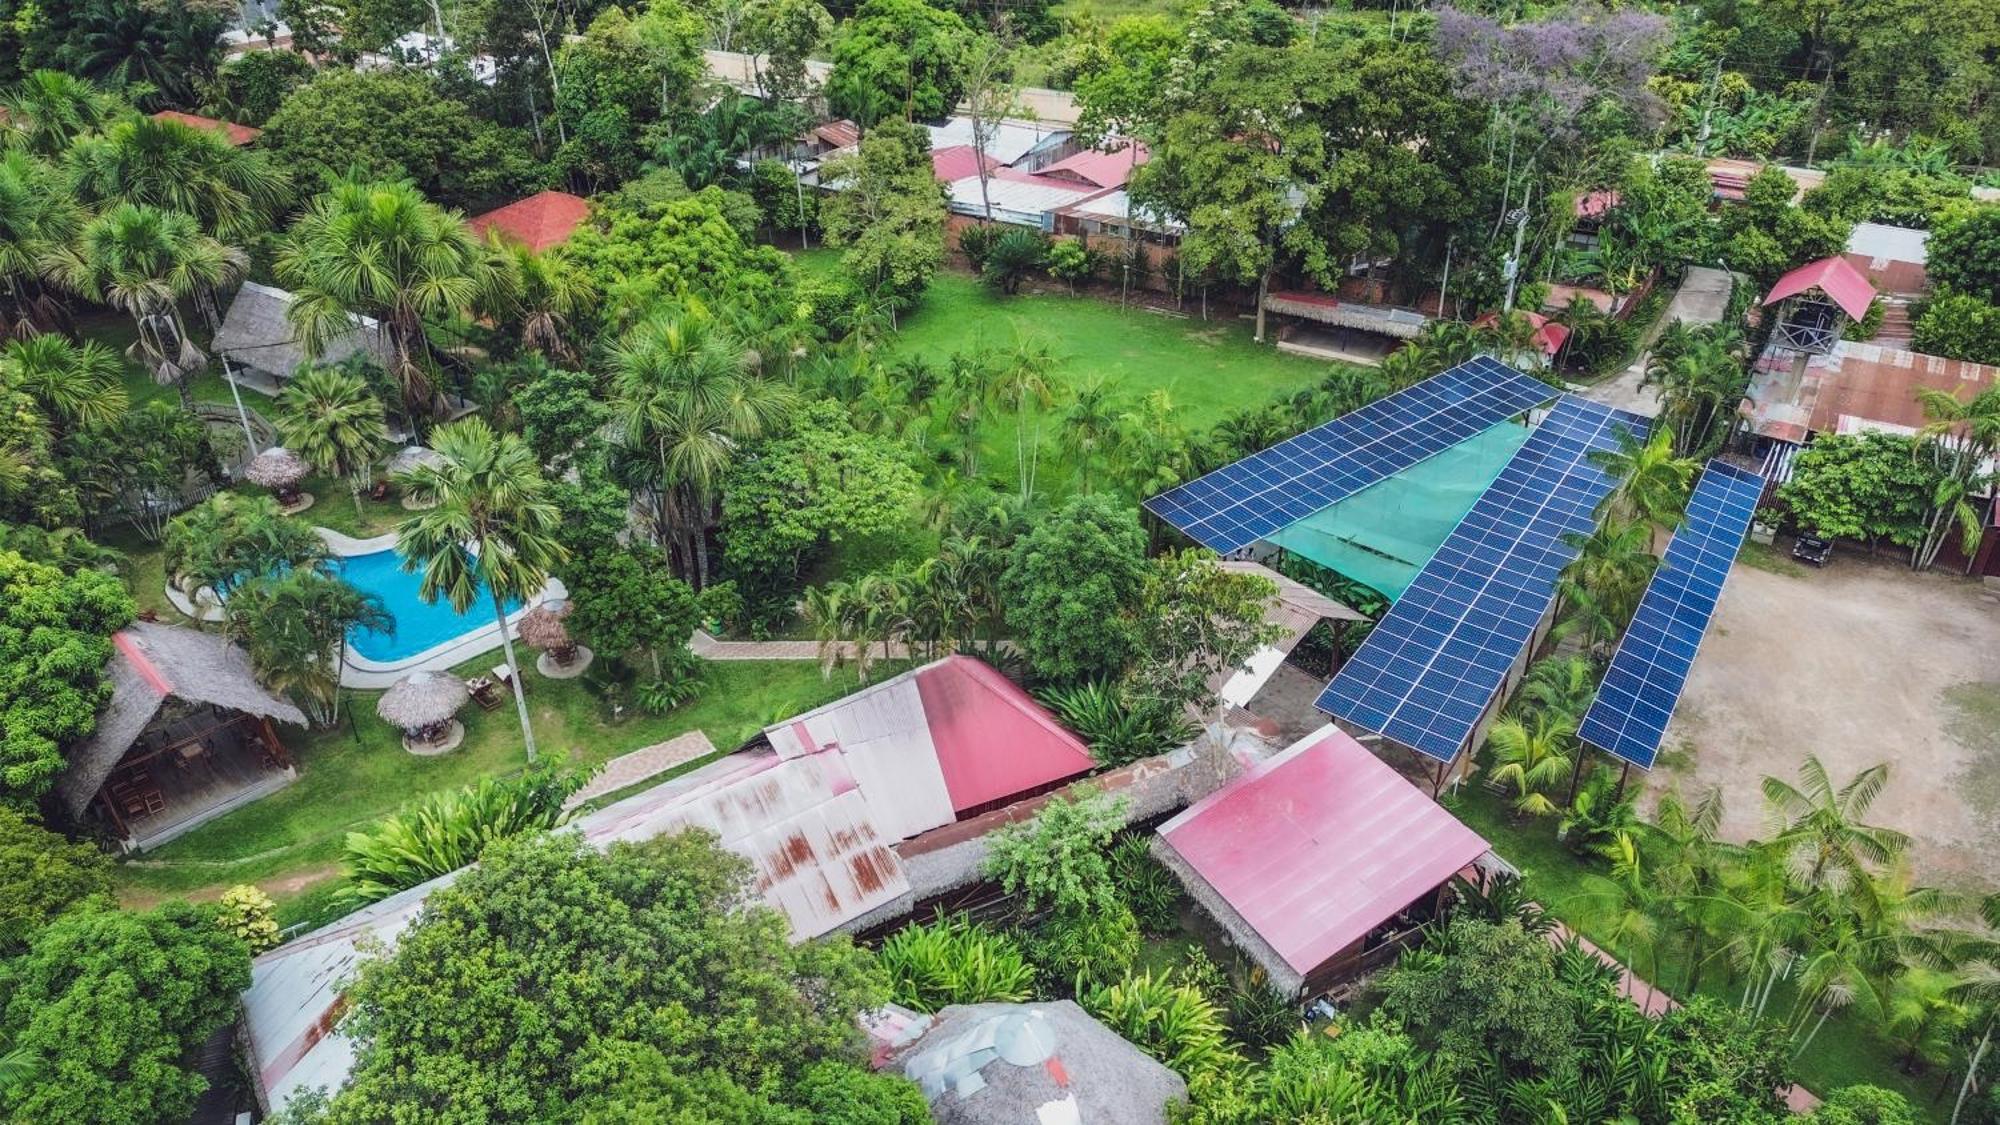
column 290, row 841
column 1846, row 1051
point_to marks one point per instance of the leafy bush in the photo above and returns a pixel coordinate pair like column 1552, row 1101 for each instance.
column 1071, row 262
column 1084, row 950
column 41, row 876
column 1169, row 1020
column 251, row 915
column 1864, row 1105
column 1260, row 1015
column 976, row 242
column 1958, row 327
column 682, row 676
column 1012, row 257
column 1118, row 730
column 445, row 831
column 1150, row 889
column 954, row 960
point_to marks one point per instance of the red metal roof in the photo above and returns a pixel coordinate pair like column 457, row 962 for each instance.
column 1835, row 277
column 955, row 162
column 1319, row 845
column 993, row 740
column 1594, row 204
column 1549, row 335
column 238, row 134
column 1099, row 167
column 837, row 134
column 538, row 222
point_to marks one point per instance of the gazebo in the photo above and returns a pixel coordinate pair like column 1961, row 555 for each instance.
column 424, row 706
column 281, row 471
column 1814, row 304
column 545, row 627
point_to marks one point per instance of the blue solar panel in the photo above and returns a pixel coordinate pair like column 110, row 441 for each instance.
column 1429, row 669
column 1628, row 719
column 1238, row 504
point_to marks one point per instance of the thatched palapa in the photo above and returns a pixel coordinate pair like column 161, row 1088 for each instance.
column 278, row 469
column 544, row 627
column 422, row 703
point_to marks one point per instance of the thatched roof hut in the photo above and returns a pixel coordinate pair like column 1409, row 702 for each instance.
column 257, row 332
column 421, row 702
column 410, row 457
column 545, row 628
column 278, row 469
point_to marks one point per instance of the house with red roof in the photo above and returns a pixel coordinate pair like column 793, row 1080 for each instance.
column 1101, row 169
column 958, row 162
column 1548, row 336
column 538, row 222
column 1320, row 860
column 239, row 135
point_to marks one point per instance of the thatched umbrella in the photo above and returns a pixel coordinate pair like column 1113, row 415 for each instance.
column 422, row 704
column 545, row 628
column 280, row 470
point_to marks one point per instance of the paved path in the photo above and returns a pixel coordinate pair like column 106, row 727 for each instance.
column 1702, row 299
column 635, row 767
column 709, row 648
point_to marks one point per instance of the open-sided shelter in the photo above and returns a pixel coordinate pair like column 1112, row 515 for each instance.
column 265, row 349
column 1319, row 860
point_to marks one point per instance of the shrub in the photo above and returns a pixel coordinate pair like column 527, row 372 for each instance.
column 1170, row 1021
column 1864, row 1105
column 1071, row 262
column 954, row 960
column 1117, row 729
column 251, row 915
column 41, row 876
column 1012, row 257
column 1086, row 950
column 1260, row 1015
column 976, row 242
column 1150, row 889
column 445, row 831
column 682, row 676
column 1958, row 327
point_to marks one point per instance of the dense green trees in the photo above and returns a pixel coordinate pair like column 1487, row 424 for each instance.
column 898, row 58
column 42, row 874
column 55, row 631
column 1070, row 585
column 294, row 626
column 889, row 215
column 685, row 250
column 1863, row 486
column 511, row 996
column 442, row 832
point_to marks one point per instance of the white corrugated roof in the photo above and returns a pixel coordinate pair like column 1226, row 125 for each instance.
column 884, row 739
column 1014, row 201
column 1010, row 140
column 1895, row 244
column 1116, row 207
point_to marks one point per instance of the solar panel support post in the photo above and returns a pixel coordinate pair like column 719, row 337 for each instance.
column 1622, row 776
column 1576, row 774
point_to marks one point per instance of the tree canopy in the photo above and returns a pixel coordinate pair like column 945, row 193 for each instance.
column 55, row 639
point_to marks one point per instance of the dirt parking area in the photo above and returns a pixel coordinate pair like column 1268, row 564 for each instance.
column 1862, row 662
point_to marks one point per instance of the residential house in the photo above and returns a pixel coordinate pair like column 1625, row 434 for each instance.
column 539, row 222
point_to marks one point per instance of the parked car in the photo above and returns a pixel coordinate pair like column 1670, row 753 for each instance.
column 1812, row 549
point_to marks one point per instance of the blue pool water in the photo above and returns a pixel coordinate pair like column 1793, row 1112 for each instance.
column 419, row 624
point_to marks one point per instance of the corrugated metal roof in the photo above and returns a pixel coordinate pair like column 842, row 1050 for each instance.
column 1895, row 244
column 1102, row 167
column 883, row 737
column 1008, row 142
column 958, row 162
column 1864, row 382
column 993, row 741
column 1320, row 844
column 1017, row 198
column 1835, row 277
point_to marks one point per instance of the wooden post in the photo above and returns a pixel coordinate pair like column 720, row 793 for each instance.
column 271, row 738
column 117, row 821
column 1622, row 775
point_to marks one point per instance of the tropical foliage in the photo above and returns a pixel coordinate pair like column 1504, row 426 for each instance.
column 446, row 831
column 954, row 960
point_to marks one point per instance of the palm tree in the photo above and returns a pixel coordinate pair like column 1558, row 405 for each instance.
column 382, row 250
column 849, row 619
column 145, row 261
column 333, row 421
column 1650, row 481
column 1533, row 754
column 687, row 396
column 1564, row 685
column 75, row 385
column 1817, row 829
column 233, row 193
column 1599, row 590
column 1702, row 383
column 17, row 1066
column 971, row 384
column 492, row 525
column 1089, row 426
column 230, row 538
column 295, row 626
column 48, row 109
column 1967, row 431
column 1688, row 868
column 1025, row 384
column 1924, row 1013
column 549, row 297
column 1624, row 908
column 38, row 216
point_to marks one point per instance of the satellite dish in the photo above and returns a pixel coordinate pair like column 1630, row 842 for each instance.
column 1025, row 1039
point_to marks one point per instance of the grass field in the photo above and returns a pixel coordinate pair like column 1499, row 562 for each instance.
column 1845, row 1052
column 289, row 842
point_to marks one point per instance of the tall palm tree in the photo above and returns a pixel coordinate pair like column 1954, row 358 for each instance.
column 1689, row 861
column 687, row 395
column 48, row 109
column 1089, row 426
column 1650, row 479
column 1818, row 833
column 295, row 626
column 333, row 421
column 1967, row 432
column 230, row 539
column 1625, row 908
column 1026, row 384
column 381, row 250
column 145, row 261
column 971, row 384
column 1702, row 385
column 1565, row 685
column 74, row 384
column 1599, row 590
column 548, row 299
column 491, row 525
column 233, row 193
column 38, row 216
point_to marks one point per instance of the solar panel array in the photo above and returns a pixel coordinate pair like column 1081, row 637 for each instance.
column 1429, row 669
column 1628, row 719
column 1238, row 504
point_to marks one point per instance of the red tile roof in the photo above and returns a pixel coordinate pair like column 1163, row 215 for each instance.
column 1319, row 845
column 993, row 740
column 956, row 162
column 538, row 222
column 239, row 135
column 1100, row 168
column 1835, row 277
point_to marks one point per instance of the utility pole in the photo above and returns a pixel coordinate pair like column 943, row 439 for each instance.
column 1519, row 217
column 1708, row 109
column 242, row 415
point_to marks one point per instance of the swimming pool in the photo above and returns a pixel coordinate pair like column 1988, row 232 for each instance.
column 420, row 625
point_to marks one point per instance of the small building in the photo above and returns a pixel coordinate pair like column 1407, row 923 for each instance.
column 239, row 135
column 1044, row 1063
column 1021, row 145
column 1546, row 340
column 1100, row 169
column 956, row 163
column 1022, row 199
column 538, row 222
column 262, row 350
column 1891, row 258
column 1360, row 332
column 186, row 737
column 1853, row 388
column 1320, row 861
column 1813, row 304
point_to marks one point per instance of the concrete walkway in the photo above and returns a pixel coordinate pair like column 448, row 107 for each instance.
column 709, row 648
column 630, row 769
column 1702, row 299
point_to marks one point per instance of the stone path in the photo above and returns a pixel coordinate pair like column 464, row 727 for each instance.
column 631, row 769
column 1702, row 299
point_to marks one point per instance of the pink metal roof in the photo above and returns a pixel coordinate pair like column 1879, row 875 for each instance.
column 1549, row 335
column 1320, row 844
column 1099, row 167
column 956, row 162
column 993, row 740
column 1835, row 277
